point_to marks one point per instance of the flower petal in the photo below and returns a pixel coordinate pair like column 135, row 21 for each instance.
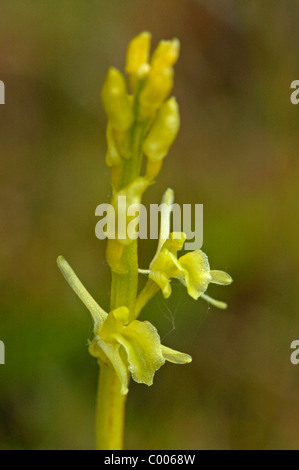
column 220, row 277
column 216, row 303
column 165, row 267
column 196, row 272
column 122, row 314
column 162, row 281
column 113, row 354
column 98, row 314
column 113, row 325
column 175, row 242
column 175, row 357
column 141, row 342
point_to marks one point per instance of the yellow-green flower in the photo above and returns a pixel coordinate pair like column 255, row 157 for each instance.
column 192, row 269
column 131, row 347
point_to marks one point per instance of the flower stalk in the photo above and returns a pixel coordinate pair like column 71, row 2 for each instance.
column 142, row 123
column 110, row 411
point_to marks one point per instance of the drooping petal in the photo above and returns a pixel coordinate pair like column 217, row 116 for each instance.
column 196, row 272
column 175, row 357
column 113, row 353
column 142, row 344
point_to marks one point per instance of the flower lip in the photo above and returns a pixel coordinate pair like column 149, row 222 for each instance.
column 142, row 346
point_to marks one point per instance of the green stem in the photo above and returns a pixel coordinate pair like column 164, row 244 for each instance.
column 110, row 414
column 132, row 166
column 124, row 286
column 148, row 292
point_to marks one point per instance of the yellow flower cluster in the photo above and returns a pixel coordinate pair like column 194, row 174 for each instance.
column 144, row 122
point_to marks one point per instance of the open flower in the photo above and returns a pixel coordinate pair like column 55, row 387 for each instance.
column 192, row 269
column 132, row 347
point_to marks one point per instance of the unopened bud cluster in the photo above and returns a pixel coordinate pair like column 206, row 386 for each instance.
column 142, row 121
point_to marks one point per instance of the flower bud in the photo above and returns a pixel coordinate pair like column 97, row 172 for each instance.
column 116, row 101
column 158, row 86
column 137, row 66
column 114, row 252
column 113, row 157
column 166, row 54
column 153, row 168
column 163, row 132
column 122, row 201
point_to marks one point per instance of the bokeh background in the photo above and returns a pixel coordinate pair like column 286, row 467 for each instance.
column 237, row 153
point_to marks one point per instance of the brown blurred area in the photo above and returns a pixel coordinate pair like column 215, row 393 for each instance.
column 237, row 153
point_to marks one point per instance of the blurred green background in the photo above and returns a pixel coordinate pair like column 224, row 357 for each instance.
column 237, row 153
